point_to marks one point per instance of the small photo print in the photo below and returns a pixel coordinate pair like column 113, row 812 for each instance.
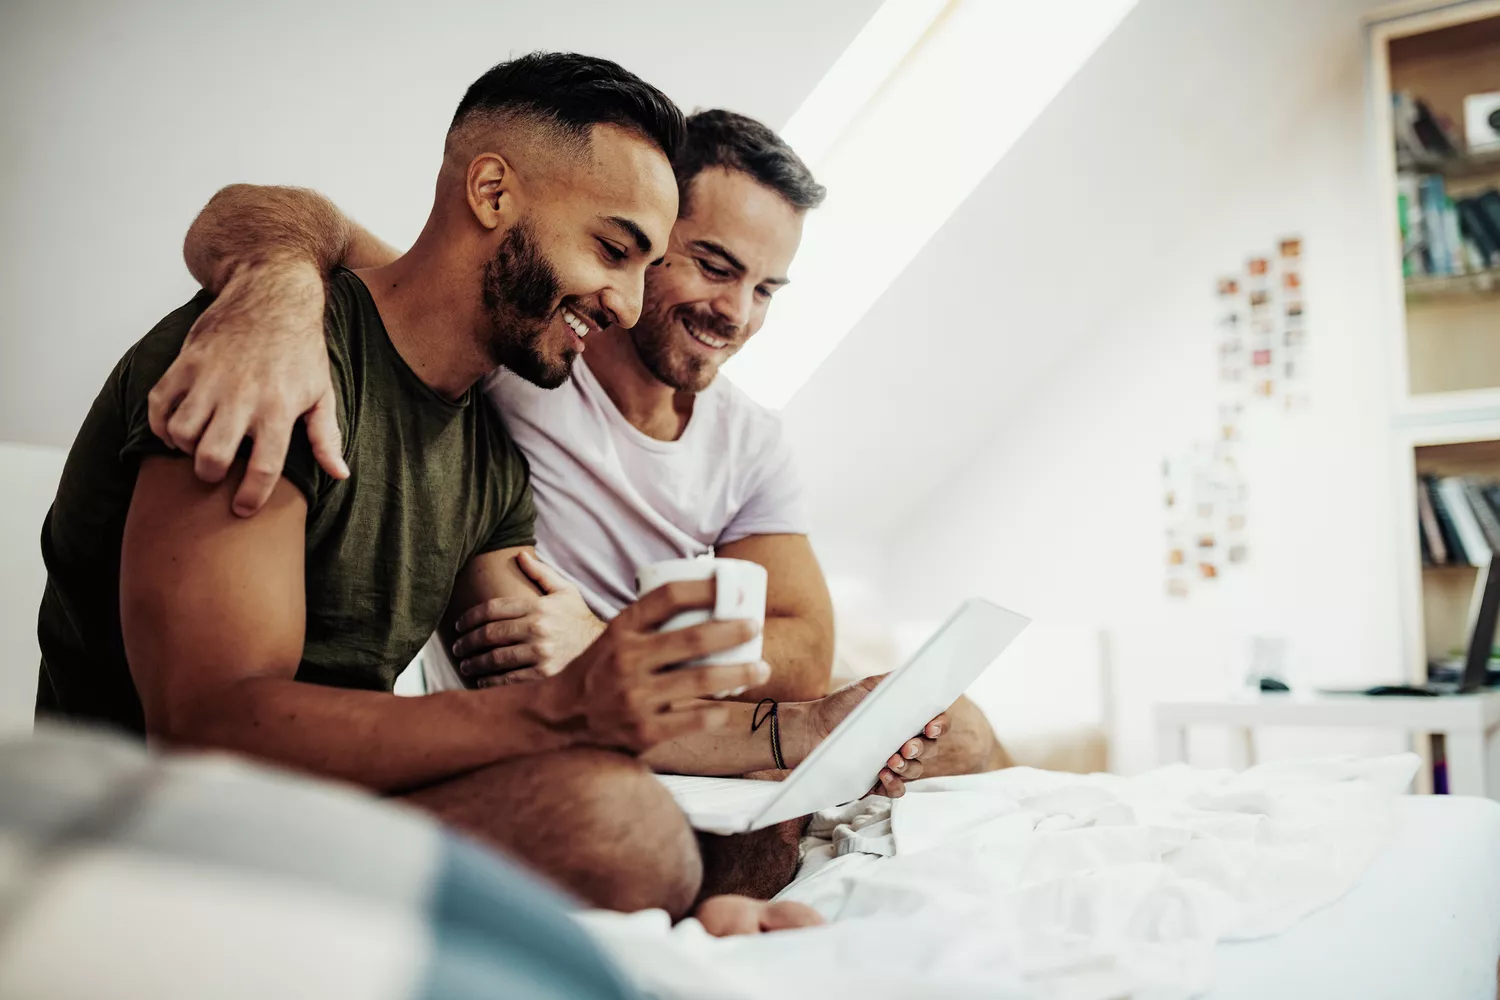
column 1228, row 286
column 1259, row 299
column 1208, row 570
column 1260, row 358
column 1291, row 280
column 1293, row 309
column 1265, row 387
column 1235, row 522
column 1177, row 587
column 1238, row 553
column 1258, row 266
column 1206, row 541
column 1294, row 336
column 1176, row 557
column 1263, row 327
column 1291, row 247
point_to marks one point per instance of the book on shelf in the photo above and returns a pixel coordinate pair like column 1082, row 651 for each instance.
column 1422, row 137
column 1434, row 549
column 1471, row 537
column 1441, row 235
column 1447, row 531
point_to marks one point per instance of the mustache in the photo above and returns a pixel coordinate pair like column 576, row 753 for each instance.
column 709, row 323
column 594, row 314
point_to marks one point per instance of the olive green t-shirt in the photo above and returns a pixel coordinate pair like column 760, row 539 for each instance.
column 432, row 483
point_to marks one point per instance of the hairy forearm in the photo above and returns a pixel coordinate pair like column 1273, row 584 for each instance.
column 800, row 652
column 735, row 750
column 380, row 741
column 249, row 224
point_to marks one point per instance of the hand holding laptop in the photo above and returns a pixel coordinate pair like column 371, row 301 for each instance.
column 821, row 717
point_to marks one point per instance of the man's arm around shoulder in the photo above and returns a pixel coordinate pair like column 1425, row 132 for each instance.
column 254, row 362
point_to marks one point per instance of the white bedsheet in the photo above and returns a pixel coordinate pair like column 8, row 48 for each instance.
column 1422, row 924
column 1026, row 883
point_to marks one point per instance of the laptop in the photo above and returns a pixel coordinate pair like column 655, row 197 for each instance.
column 845, row 765
column 1484, row 615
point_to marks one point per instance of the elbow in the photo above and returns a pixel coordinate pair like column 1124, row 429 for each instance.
column 811, row 681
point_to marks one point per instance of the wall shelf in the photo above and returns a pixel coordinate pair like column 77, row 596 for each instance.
column 1444, row 331
column 1476, row 284
column 1479, row 163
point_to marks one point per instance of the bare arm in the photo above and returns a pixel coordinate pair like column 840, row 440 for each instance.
column 212, row 613
column 247, row 224
column 798, row 638
column 254, row 362
column 513, row 618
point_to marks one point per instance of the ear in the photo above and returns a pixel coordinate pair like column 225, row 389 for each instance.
column 490, row 188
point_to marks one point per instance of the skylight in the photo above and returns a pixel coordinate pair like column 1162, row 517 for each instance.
column 919, row 108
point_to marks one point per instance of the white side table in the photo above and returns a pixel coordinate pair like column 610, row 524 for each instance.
column 1470, row 724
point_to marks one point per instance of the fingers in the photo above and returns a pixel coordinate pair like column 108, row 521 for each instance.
column 891, row 785
column 264, row 469
column 219, row 445
column 678, row 646
column 521, row 676
column 492, row 634
column 544, row 576
column 495, row 609
column 501, row 660
column 323, row 434
column 185, row 425
column 936, row 727
column 162, row 400
column 667, row 600
column 903, row 768
column 703, row 682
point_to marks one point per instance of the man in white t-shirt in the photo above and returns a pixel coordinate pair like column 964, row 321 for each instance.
column 644, row 454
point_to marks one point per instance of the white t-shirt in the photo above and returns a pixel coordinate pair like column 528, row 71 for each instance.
column 610, row 499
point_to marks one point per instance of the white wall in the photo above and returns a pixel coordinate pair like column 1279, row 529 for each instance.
column 30, row 475
column 118, row 120
column 997, row 424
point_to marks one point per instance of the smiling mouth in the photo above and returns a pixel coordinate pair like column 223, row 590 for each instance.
column 707, row 340
column 575, row 323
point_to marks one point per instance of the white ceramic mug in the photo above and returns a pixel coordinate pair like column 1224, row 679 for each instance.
column 739, row 592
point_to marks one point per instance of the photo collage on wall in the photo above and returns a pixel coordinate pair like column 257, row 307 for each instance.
column 1262, row 339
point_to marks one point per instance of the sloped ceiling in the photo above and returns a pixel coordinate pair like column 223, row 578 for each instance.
column 1032, row 263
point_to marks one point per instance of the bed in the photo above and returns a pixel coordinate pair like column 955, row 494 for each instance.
column 1293, row 880
column 1422, row 922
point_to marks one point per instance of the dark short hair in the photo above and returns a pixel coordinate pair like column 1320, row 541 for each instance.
column 574, row 93
column 725, row 139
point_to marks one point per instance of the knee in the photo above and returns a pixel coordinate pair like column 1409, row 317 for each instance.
column 635, row 848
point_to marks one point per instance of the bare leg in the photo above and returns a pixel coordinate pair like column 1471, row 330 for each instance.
column 968, row 747
column 597, row 823
column 758, row 865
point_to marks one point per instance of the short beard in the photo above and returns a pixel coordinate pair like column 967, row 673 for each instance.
column 655, row 337
column 520, row 290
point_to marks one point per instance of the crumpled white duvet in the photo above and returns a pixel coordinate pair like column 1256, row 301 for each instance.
column 1033, row 884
